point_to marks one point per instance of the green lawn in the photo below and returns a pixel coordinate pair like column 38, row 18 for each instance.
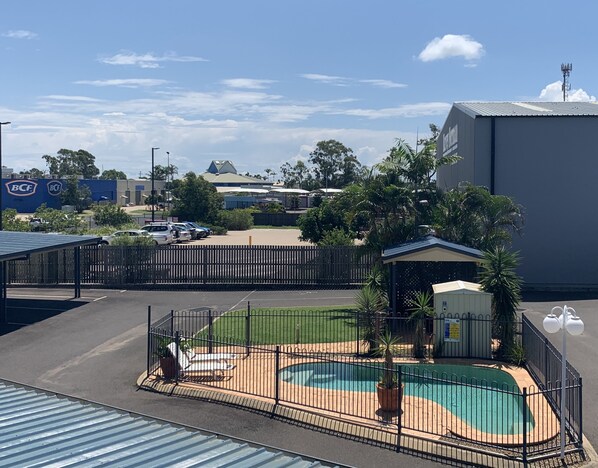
column 287, row 326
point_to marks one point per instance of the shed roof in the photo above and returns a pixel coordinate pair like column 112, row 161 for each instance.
column 459, row 286
column 14, row 245
column 42, row 428
column 430, row 249
column 528, row 109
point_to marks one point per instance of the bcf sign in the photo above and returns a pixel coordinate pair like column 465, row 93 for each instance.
column 55, row 187
column 21, row 188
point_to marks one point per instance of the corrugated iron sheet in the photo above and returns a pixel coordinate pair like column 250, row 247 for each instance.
column 427, row 243
column 43, row 429
column 17, row 244
column 529, row 109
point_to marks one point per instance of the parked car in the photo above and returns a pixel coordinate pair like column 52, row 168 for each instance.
column 195, row 233
column 203, row 231
column 107, row 240
column 181, row 234
column 163, row 233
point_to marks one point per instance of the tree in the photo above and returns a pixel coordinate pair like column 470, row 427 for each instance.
column 472, row 216
column 78, row 195
column 418, row 313
column 71, row 163
column 34, row 173
column 498, row 278
column 10, row 221
column 60, row 221
column 371, row 306
column 113, row 174
column 195, row 199
column 163, row 172
column 334, row 164
column 110, row 215
column 297, row 176
column 318, row 221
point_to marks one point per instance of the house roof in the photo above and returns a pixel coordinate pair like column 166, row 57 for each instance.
column 14, row 245
column 430, row 249
column 228, row 178
column 528, row 109
column 43, row 428
column 461, row 287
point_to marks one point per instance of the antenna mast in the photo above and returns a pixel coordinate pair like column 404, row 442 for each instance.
column 566, row 69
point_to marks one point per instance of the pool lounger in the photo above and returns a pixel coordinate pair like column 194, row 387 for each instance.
column 213, row 367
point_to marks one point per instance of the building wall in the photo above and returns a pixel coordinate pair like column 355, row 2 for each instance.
column 549, row 166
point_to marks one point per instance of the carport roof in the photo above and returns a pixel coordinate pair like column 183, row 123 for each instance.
column 14, row 245
column 41, row 428
column 430, row 249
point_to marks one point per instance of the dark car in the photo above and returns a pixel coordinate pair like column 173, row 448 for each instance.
column 203, row 231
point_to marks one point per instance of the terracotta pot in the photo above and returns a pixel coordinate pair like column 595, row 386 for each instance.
column 168, row 366
column 389, row 398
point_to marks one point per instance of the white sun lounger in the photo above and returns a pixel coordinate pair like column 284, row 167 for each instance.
column 213, row 367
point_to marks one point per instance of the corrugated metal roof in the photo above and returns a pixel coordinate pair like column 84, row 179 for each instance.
column 425, row 244
column 528, row 109
column 18, row 244
column 42, row 429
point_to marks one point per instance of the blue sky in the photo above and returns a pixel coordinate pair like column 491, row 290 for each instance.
column 261, row 82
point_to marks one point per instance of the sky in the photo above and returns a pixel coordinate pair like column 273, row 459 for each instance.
column 260, row 82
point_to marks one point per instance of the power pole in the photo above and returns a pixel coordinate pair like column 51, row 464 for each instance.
column 566, row 69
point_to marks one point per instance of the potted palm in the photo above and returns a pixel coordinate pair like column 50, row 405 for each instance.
column 388, row 389
column 167, row 360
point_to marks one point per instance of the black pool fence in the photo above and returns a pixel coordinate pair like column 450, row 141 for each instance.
column 508, row 421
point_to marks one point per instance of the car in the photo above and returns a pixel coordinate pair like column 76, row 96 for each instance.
column 195, row 233
column 163, row 233
column 181, row 234
column 203, row 231
column 107, row 240
column 38, row 224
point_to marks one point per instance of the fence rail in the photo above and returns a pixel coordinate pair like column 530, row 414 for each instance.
column 444, row 400
column 196, row 266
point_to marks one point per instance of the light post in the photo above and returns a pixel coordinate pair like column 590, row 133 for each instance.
column 569, row 322
column 1, row 172
column 153, row 189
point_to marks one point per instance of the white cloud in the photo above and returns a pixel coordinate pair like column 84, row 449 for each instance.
column 384, row 83
column 451, row 45
column 59, row 97
column 124, row 83
column 408, row 110
column 147, row 60
column 327, row 79
column 554, row 92
column 20, row 34
column 247, row 83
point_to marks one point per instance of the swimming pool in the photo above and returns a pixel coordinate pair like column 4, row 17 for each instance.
column 487, row 399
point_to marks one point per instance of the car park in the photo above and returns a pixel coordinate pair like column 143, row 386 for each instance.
column 181, row 234
column 107, row 240
column 163, row 233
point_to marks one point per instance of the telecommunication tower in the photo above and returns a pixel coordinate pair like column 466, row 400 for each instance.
column 566, row 69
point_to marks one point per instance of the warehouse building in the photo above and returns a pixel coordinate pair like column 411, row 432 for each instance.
column 545, row 156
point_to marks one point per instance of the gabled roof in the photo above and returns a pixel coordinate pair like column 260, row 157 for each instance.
column 222, row 167
column 41, row 428
column 430, row 249
column 15, row 245
column 528, row 109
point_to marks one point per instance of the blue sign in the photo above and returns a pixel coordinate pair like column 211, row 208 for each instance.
column 54, row 187
column 21, row 188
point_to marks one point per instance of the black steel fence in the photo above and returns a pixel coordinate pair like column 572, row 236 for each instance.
column 196, row 266
column 280, row 356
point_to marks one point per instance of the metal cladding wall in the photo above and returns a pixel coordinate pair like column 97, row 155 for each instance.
column 26, row 195
column 547, row 164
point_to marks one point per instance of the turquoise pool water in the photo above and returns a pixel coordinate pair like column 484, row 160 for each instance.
column 485, row 398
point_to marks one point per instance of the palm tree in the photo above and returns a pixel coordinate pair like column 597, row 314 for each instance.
column 419, row 312
column 371, row 308
column 498, row 277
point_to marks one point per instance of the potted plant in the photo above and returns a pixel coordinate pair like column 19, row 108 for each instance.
column 167, row 360
column 389, row 392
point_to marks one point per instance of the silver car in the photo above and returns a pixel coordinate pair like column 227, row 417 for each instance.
column 107, row 240
column 162, row 233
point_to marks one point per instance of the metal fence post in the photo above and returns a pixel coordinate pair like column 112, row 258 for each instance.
column 149, row 338
column 524, row 452
column 400, row 410
column 171, row 323
column 469, row 334
column 210, row 331
column 580, row 435
column 248, row 330
column 277, row 374
column 358, row 333
column 177, row 340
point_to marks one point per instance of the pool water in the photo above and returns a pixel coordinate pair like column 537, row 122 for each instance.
column 485, row 398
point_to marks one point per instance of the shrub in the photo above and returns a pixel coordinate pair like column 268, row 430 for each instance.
column 112, row 215
column 236, row 220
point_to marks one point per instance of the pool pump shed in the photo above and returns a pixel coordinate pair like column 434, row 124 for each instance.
column 463, row 321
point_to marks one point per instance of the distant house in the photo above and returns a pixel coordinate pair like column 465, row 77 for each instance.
column 224, row 174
